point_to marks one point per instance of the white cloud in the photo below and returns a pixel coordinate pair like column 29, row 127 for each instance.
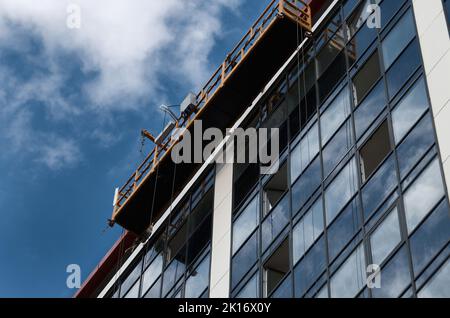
column 128, row 45
column 58, row 153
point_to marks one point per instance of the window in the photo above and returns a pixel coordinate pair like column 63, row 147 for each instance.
column 306, row 185
column 409, row 110
column 416, row 145
column 174, row 272
column 308, row 230
column 199, row 240
column 366, row 78
column 395, row 277
column 359, row 16
column 375, row 150
column 130, row 281
column 245, row 178
column 335, row 115
column 251, row 289
column 244, row 259
column 344, row 229
column 304, row 153
column 388, row 9
column 198, row 282
column 385, row 238
column 439, row 285
column 245, row 224
column 359, row 44
column 177, row 244
column 348, row 281
column 152, row 273
column 423, row 195
column 340, row 191
column 275, row 222
column 338, row 147
column 369, row 109
column 276, row 267
column 430, row 238
column 274, row 190
column 155, row 291
column 310, row 268
column 201, row 211
column 379, row 187
column 328, row 81
column 403, row 68
column 397, row 39
column 284, row 290
column 134, row 291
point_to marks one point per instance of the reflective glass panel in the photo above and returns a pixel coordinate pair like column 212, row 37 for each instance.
column 398, row 38
column 343, row 229
column 308, row 230
column 395, row 277
column 306, row 185
column 244, row 259
column 275, row 222
column 409, row 110
column 403, row 68
column 245, row 224
column 335, row 115
column 415, row 146
column 385, row 238
column 310, row 268
column 304, row 152
column 348, row 281
column 337, row 148
column 423, row 195
column 370, row 108
column 152, row 273
column 379, row 187
column 439, row 285
column 198, row 281
column 251, row 289
column 430, row 238
column 341, row 190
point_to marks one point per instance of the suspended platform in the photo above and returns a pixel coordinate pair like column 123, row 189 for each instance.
column 231, row 89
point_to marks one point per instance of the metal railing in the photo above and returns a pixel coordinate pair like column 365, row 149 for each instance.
column 297, row 10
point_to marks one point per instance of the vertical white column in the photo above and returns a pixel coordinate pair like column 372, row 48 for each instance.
column 221, row 237
column 435, row 45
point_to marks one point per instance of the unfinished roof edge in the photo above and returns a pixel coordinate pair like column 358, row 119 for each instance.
column 297, row 10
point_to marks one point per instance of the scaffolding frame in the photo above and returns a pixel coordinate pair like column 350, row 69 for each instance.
column 299, row 11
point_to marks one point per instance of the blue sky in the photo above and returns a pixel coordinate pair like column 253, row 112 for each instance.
column 72, row 103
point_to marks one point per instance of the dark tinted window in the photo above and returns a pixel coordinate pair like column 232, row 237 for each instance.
column 366, row 77
column 375, row 150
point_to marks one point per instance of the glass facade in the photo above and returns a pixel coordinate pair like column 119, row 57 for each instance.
column 365, row 183
column 176, row 261
column 360, row 181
